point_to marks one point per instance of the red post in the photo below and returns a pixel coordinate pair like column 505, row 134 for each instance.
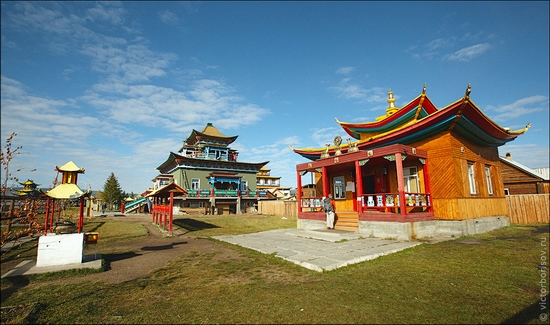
column 326, row 185
column 122, row 207
column 427, row 184
column 171, row 213
column 81, row 214
column 47, row 216
column 299, row 190
column 359, row 186
column 52, row 215
column 400, row 184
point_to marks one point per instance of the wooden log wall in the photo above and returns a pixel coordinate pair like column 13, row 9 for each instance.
column 528, row 208
column 279, row 208
column 469, row 208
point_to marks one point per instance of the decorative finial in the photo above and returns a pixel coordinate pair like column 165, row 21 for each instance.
column 391, row 100
column 468, row 90
column 424, row 89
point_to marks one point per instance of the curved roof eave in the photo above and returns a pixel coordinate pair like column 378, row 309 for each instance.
column 466, row 124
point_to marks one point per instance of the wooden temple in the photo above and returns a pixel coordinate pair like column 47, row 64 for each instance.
column 213, row 178
column 415, row 163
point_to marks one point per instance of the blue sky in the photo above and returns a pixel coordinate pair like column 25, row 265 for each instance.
column 116, row 86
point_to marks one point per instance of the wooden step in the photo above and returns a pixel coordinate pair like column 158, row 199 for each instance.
column 347, row 221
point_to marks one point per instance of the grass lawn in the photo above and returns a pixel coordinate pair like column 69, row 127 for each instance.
column 488, row 278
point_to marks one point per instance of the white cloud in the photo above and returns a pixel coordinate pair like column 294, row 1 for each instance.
column 169, row 18
column 345, row 70
column 349, row 90
column 468, row 53
column 519, row 108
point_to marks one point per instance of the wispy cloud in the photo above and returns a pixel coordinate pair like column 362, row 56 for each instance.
column 345, row 70
column 169, row 18
column 348, row 89
column 521, row 107
column 468, row 53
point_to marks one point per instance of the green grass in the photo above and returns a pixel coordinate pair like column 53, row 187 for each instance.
column 488, row 278
column 232, row 224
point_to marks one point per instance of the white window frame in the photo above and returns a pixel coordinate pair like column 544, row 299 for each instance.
column 488, row 179
column 472, row 177
column 411, row 177
column 195, row 183
column 339, row 188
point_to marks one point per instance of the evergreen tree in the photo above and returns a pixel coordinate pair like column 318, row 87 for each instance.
column 112, row 193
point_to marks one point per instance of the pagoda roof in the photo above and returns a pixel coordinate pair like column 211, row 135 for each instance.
column 462, row 117
column 210, row 131
column 70, row 167
column 173, row 161
column 67, row 191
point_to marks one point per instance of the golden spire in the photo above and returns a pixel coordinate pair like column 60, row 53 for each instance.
column 391, row 101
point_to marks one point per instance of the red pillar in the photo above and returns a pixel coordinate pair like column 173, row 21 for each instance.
column 164, row 215
column 81, row 214
column 400, row 184
column 52, row 215
column 171, row 213
column 427, row 184
column 359, row 186
column 299, row 190
column 47, row 216
column 122, row 207
column 326, row 189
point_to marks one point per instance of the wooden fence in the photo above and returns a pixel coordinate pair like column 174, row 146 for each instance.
column 279, row 208
column 528, row 208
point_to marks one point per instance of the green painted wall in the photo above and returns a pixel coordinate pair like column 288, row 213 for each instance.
column 183, row 178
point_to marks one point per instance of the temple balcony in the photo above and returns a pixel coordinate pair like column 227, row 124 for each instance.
column 226, row 193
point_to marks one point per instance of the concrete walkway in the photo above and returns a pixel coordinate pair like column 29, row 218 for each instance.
column 318, row 250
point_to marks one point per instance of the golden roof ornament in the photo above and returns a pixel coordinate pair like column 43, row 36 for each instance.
column 391, row 108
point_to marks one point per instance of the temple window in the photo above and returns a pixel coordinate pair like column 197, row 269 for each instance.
column 471, row 178
column 195, row 183
column 488, row 179
column 339, row 189
column 410, row 177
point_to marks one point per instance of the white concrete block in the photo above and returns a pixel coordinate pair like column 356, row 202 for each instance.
column 60, row 249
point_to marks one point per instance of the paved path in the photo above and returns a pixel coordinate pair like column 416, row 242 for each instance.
column 318, row 250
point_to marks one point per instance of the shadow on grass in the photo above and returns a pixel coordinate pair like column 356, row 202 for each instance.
column 193, row 225
column 161, row 247
column 20, row 251
column 17, row 282
column 98, row 225
column 531, row 314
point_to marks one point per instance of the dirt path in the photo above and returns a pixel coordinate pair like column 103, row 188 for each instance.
column 143, row 255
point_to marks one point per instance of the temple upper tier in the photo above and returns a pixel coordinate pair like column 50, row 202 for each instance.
column 418, row 120
column 210, row 143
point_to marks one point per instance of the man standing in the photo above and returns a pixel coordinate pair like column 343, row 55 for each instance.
column 328, row 207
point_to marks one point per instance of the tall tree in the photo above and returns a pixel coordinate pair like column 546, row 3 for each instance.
column 112, row 193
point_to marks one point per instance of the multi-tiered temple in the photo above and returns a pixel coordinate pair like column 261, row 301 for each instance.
column 212, row 175
column 415, row 163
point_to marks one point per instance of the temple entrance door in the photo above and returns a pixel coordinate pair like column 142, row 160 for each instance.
column 379, row 183
column 368, row 184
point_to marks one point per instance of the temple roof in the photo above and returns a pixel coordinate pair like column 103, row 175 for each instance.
column 174, row 160
column 420, row 119
column 167, row 189
column 67, row 191
column 209, row 131
column 70, row 167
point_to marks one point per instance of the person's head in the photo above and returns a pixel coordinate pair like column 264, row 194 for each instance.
column 330, row 196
